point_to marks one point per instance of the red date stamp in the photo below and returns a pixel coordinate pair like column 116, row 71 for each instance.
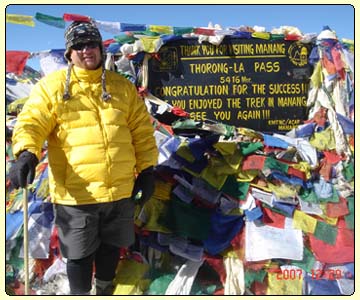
column 315, row 274
column 330, row 274
column 289, row 274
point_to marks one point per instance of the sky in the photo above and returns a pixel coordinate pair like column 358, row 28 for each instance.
column 307, row 18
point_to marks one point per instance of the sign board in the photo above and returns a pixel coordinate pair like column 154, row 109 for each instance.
column 253, row 83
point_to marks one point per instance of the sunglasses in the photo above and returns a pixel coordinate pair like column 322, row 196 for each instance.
column 82, row 46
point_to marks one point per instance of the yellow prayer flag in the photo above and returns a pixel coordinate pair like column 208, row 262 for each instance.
column 185, row 152
column 151, row 44
column 161, row 29
column 324, row 140
column 304, row 222
column 280, row 285
column 226, row 148
column 329, row 220
column 247, row 176
column 20, row 19
column 261, row 35
column 151, row 212
column 316, row 77
column 129, row 275
column 216, row 180
column 303, row 166
column 162, row 190
column 283, row 190
column 261, row 187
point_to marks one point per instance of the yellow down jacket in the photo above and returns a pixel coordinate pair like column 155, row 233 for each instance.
column 94, row 147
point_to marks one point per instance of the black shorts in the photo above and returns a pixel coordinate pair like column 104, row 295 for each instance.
column 82, row 228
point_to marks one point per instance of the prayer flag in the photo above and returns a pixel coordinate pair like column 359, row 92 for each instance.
column 283, row 286
column 75, row 17
column 182, row 30
column 49, row 20
column 16, row 61
column 304, row 222
column 161, row 29
column 325, row 232
column 52, row 60
column 342, row 251
column 112, row 27
column 204, row 31
column 20, row 19
column 253, row 162
column 339, row 209
column 132, row 27
column 267, row 242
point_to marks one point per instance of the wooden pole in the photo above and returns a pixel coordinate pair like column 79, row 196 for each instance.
column 26, row 240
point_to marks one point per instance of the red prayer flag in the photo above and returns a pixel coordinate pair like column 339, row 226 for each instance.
column 272, row 218
column 292, row 37
column 325, row 169
column 75, row 17
column 334, row 210
column 341, row 252
column 106, row 43
column 328, row 65
column 16, row 61
column 347, row 237
column 297, row 173
column 332, row 157
column 177, row 111
column 338, row 61
column 253, row 162
column 204, row 31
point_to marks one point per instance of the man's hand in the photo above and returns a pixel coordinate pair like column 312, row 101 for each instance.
column 145, row 182
column 22, row 172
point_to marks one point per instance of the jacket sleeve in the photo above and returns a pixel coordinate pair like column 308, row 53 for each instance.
column 34, row 122
column 142, row 133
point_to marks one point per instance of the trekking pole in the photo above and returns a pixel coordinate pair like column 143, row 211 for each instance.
column 26, row 240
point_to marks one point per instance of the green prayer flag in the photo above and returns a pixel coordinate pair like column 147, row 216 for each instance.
column 185, row 124
column 50, row 20
column 182, row 30
column 146, row 32
column 251, row 276
column 160, row 284
column 234, row 188
column 276, row 36
column 350, row 221
column 274, row 164
column 247, row 147
column 325, row 232
column 348, row 171
column 308, row 196
column 350, row 218
column 186, row 220
column 124, row 39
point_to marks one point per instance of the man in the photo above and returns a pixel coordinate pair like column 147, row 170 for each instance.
column 99, row 136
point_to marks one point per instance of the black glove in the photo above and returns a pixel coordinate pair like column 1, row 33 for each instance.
column 22, row 172
column 146, row 183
